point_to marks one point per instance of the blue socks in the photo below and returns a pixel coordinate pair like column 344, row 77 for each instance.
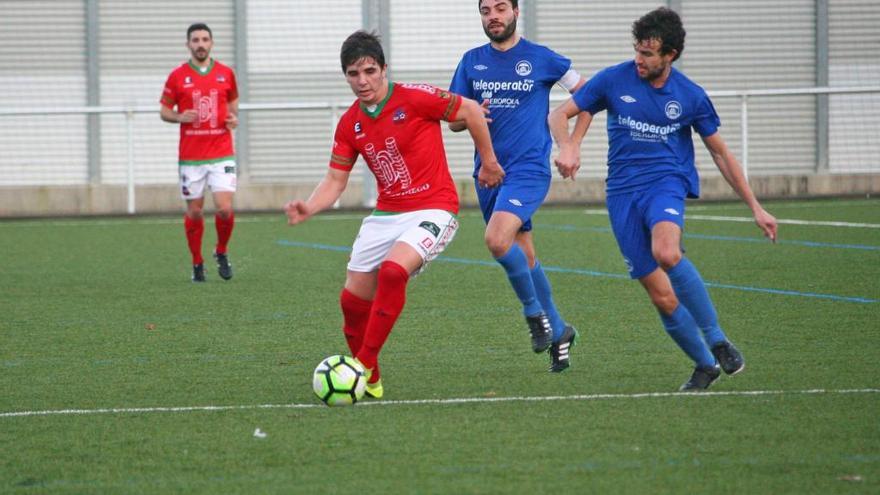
column 680, row 325
column 545, row 296
column 692, row 293
column 516, row 265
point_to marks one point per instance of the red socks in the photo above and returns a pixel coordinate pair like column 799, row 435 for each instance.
column 356, row 314
column 224, row 231
column 390, row 298
column 194, row 230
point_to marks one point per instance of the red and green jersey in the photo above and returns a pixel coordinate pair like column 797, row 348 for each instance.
column 402, row 144
column 206, row 139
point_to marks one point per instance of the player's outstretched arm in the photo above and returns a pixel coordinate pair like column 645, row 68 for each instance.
column 733, row 174
column 473, row 115
column 325, row 194
column 568, row 161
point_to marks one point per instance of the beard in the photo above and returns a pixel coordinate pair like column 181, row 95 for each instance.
column 503, row 35
column 200, row 55
column 652, row 75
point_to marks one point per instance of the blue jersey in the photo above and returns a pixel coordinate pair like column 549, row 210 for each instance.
column 517, row 83
column 649, row 129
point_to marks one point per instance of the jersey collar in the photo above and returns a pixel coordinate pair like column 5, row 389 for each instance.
column 375, row 113
column 198, row 70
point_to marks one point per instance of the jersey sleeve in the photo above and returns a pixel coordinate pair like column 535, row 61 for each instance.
column 557, row 66
column 459, row 84
column 706, row 120
column 434, row 103
column 169, row 92
column 591, row 96
column 343, row 155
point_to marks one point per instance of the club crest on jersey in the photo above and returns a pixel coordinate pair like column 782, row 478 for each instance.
column 221, row 79
column 673, row 110
column 523, row 67
column 399, row 116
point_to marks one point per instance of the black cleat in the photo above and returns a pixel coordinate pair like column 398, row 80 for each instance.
column 224, row 268
column 701, row 379
column 542, row 334
column 729, row 357
column 559, row 351
column 198, row 273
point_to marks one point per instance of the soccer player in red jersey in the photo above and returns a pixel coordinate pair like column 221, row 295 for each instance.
column 396, row 129
column 206, row 96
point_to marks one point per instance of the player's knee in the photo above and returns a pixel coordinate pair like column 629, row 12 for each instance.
column 667, row 257
column 225, row 213
column 195, row 213
column 498, row 245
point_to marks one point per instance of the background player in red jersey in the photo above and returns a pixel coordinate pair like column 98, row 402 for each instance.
column 206, row 96
column 396, row 129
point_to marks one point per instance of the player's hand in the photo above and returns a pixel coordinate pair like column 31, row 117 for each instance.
column 485, row 108
column 188, row 116
column 297, row 212
column 766, row 222
column 491, row 174
column 568, row 162
column 231, row 121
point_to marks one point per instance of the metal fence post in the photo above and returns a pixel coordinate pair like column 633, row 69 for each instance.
column 129, row 130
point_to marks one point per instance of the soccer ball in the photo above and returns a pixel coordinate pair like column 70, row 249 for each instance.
column 339, row 381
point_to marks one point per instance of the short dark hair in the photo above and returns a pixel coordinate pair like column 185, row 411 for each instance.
column 663, row 24
column 199, row 26
column 361, row 44
column 513, row 3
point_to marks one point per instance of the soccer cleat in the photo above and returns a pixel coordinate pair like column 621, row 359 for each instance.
column 223, row 266
column 542, row 334
column 701, row 379
column 729, row 357
column 198, row 273
column 559, row 351
column 375, row 390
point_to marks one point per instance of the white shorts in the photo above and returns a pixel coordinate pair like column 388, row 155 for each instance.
column 219, row 176
column 427, row 231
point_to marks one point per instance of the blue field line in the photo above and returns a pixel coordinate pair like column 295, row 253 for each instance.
column 761, row 240
column 593, row 273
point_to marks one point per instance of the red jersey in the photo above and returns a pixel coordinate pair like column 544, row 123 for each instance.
column 206, row 139
column 402, row 144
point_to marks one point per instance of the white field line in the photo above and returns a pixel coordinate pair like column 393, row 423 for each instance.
column 787, row 221
column 464, row 400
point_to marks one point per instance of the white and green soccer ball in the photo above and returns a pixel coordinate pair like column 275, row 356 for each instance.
column 339, row 381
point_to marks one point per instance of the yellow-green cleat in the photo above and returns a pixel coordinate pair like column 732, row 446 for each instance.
column 373, row 390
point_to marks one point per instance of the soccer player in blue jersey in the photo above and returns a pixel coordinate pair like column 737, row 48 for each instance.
column 652, row 108
column 513, row 78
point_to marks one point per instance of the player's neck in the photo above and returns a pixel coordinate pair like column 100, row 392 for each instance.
column 503, row 46
column 204, row 64
column 660, row 81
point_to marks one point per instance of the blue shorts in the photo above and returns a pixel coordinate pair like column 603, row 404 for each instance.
column 521, row 193
column 634, row 214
